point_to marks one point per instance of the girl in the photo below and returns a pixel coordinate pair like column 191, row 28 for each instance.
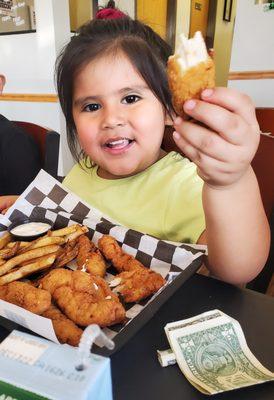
column 113, row 90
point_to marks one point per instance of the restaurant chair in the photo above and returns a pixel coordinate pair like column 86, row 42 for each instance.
column 48, row 142
column 265, row 117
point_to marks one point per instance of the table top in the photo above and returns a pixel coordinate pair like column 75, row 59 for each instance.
column 136, row 372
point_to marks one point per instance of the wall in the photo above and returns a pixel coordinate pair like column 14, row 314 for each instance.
column 80, row 12
column 222, row 43
column 253, row 50
column 28, row 60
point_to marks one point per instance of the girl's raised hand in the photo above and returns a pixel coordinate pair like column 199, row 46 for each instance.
column 223, row 137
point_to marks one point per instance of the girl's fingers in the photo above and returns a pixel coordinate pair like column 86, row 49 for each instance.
column 205, row 141
column 232, row 100
column 228, row 125
column 188, row 150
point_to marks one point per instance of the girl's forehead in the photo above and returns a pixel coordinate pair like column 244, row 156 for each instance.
column 107, row 68
column 109, row 61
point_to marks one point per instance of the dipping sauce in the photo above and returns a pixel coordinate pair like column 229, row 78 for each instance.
column 30, row 229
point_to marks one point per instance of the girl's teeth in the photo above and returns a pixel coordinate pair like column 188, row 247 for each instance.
column 118, row 143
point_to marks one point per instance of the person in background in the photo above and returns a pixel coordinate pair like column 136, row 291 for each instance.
column 19, row 158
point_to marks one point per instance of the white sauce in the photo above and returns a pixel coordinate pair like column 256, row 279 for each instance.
column 30, row 229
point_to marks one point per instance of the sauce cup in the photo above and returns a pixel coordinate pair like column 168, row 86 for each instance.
column 28, row 229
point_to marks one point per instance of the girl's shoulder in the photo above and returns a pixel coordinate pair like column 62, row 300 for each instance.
column 79, row 171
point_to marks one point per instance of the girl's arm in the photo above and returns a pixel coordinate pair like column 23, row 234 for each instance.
column 237, row 231
column 6, row 202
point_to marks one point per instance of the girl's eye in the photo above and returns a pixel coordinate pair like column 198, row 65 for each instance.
column 92, row 107
column 132, row 98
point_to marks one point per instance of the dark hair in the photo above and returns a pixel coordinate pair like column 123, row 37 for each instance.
column 146, row 50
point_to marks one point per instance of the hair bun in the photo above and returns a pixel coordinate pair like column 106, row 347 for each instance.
column 109, row 13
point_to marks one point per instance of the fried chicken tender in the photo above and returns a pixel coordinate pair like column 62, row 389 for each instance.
column 25, row 295
column 66, row 330
column 90, row 258
column 137, row 284
column 83, row 298
column 190, row 70
column 114, row 253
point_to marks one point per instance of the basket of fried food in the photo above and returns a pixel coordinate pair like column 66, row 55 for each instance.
column 35, row 275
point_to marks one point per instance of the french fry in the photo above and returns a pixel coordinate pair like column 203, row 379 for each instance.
column 64, row 231
column 5, row 239
column 38, row 265
column 80, row 230
column 29, row 255
column 2, row 261
column 9, row 252
column 41, row 242
column 21, row 244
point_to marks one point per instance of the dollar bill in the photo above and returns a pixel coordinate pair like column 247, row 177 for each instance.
column 212, row 353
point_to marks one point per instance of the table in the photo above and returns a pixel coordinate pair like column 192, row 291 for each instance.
column 136, row 372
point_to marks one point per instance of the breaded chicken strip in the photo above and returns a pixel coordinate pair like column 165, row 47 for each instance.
column 66, row 330
column 83, row 298
column 190, row 70
column 114, row 253
column 25, row 295
column 90, row 258
column 137, row 284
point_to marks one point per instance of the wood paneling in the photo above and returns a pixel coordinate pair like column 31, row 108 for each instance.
column 242, row 75
column 41, row 98
column 154, row 14
column 198, row 18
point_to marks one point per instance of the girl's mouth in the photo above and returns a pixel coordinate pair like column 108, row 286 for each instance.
column 118, row 145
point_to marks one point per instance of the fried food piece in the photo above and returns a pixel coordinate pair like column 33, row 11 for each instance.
column 80, row 230
column 29, row 255
column 63, row 231
column 83, row 298
column 190, row 70
column 7, row 252
column 25, row 295
column 41, row 242
column 137, row 284
column 67, row 253
column 90, row 258
column 114, row 253
column 28, row 269
column 65, row 329
column 5, row 239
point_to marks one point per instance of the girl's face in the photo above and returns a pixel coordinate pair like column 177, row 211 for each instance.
column 119, row 121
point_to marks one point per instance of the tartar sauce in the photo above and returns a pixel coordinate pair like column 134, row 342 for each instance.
column 30, row 229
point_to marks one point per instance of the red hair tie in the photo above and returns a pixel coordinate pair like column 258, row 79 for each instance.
column 109, row 13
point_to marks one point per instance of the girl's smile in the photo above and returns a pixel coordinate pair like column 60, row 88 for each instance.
column 119, row 121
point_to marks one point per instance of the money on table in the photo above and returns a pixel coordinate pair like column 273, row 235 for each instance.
column 212, row 353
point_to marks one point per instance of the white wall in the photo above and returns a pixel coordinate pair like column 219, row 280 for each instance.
column 253, row 50
column 27, row 61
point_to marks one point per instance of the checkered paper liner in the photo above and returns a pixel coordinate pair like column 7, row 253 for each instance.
column 46, row 198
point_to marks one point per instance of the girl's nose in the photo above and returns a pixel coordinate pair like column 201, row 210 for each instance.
column 113, row 117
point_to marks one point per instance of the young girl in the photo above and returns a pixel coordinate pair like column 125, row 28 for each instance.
column 113, row 90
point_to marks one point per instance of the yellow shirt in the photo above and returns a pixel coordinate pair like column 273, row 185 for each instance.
column 164, row 201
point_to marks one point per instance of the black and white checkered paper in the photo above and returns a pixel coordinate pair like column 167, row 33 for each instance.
column 47, row 198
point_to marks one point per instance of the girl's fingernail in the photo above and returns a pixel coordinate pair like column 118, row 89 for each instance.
column 176, row 135
column 178, row 121
column 189, row 104
column 207, row 93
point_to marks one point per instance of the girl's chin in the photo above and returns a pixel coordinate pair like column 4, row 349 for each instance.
column 116, row 173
